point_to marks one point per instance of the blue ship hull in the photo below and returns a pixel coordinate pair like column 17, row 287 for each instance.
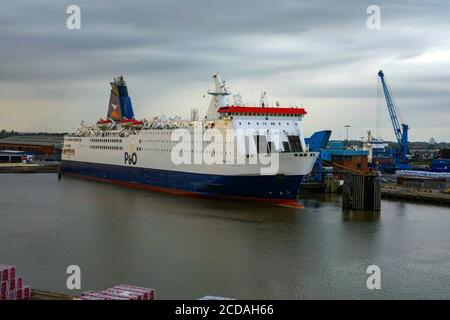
column 279, row 189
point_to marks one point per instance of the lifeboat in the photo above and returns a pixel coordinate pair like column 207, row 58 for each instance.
column 137, row 124
column 105, row 124
column 131, row 123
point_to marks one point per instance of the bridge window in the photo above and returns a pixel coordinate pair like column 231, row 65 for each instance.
column 295, row 143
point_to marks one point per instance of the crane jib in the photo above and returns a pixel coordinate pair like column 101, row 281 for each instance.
column 401, row 131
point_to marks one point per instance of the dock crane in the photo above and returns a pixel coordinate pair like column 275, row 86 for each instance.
column 401, row 132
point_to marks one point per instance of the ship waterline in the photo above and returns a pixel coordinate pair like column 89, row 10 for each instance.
column 278, row 189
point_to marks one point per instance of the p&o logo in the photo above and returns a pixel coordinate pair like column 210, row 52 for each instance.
column 130, row 159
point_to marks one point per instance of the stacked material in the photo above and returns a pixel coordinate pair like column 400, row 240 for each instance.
column 11, row 284
column 120, row 292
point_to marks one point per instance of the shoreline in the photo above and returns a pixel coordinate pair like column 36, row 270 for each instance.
column 387, row 192
column 29, row 167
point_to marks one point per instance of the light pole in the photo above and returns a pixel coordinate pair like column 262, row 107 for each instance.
column 347, row 126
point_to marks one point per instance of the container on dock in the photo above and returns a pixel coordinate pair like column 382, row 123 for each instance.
column 124, row 294
column 115, row 295
column 7, row 272
column 15, row 283
column 11, row 284
column 120, row 292
column 23, row 293
column 440, row 165
column 147, row 293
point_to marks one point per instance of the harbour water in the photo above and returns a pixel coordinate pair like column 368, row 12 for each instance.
column 188, row 248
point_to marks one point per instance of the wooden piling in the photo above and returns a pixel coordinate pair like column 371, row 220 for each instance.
column 361, row 192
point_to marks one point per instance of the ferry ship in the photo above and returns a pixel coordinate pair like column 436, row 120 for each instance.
column 139, row 153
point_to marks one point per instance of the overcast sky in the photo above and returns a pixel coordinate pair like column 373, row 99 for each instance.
column 319, row 53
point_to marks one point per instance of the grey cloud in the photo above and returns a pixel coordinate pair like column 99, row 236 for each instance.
column 319, row 49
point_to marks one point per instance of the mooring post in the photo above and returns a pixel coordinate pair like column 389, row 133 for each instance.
column 361, row 192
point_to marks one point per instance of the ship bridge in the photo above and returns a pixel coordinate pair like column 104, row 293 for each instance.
column 283, row 122
column 262, row 111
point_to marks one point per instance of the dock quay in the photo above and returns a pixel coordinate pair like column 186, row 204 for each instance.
column 47, row 295
column 329, row 185
column 312, row 187
column 415, row 195
column 29, row 167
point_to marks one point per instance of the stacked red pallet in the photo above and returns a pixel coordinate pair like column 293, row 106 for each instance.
column 11, row 284
column 121, row 292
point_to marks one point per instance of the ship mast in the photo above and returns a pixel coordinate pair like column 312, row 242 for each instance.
column 219, row 97
column 263, row 102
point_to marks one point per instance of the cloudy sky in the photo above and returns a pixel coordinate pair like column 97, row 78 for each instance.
column 319, row 53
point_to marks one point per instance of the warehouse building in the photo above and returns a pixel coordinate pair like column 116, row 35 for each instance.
column 42, row 147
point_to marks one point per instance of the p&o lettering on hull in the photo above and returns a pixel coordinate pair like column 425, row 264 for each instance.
column 130, row 159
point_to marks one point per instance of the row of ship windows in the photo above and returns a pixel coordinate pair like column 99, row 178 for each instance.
column 173, row 142
column 168, row 141
column 107, row 134
column 212, row 153
column 304, row 154
column 106, row 147
column 106, row 140
column 165, row 141
column 265, row 123
column 170, row 150
column 154, row 132
column 153, row 149
column 74, row 139
column 265, row 114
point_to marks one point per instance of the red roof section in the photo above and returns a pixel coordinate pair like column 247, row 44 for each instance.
column 238, row 109
column 133, row 121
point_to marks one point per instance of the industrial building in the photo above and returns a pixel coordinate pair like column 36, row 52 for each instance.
column 423, row 180
column 334, row 158
column 42, row 147
column 12, row 156
column 339, row 157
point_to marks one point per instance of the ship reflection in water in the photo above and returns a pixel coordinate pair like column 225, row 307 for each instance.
column 361, row 216
column 187, row 248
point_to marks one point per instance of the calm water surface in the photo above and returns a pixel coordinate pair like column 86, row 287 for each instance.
column 188, row 248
